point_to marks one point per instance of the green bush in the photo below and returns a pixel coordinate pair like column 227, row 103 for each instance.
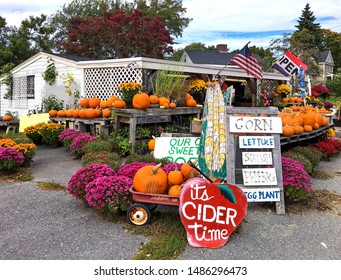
column 19, row 138
column 308, row 166
column 50, row 132
column 97, row 145
column 104, row 157
column 145, row 158
column 311, row 153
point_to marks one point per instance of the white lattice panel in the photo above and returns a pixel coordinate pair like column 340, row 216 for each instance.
column 104, row 82
column 19, row 93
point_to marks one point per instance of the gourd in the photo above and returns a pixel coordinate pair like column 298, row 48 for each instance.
column 141, row 101
column 175, row 190
column 188, row 171
column 175, row 177
column 150, row 179
column 53, row 113
column 119, row 104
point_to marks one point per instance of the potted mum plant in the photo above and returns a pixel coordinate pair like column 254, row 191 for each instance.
column 337, row 118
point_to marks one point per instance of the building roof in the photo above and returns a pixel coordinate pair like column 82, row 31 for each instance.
column 213, row 57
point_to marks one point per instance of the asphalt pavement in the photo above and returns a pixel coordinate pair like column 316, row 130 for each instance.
column 52, row 225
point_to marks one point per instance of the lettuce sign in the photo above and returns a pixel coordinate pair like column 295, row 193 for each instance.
column 177, row 149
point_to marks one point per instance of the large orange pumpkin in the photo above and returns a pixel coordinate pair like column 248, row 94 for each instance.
column 82, row 113
column 53, row 113
column 94, row 102
column 68, row 113
column 150, row 179
column 141, row 101
column 104, row 104
column 75, row 113
column 91, row 113
column 6, row 118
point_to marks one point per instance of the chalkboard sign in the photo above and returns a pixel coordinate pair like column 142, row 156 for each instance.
column 254, row 154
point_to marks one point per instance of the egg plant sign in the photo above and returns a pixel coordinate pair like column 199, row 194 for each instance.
column 210, row 212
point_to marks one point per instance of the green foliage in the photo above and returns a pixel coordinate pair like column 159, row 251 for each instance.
column 51, row 73
column 280, row 104
column 122, row 145
column 335, row 85
column 311, row 153
column 295, row 194
column 51, row 102
column 7, row 79
column 19, row 138
column 145, row 158
column 50, row 132
column 143, row 132
column 97, row 145
column 111, row 159
column 170, row 83
column 308, row 166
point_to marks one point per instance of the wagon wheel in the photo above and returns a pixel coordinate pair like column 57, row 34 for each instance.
column 138, row 214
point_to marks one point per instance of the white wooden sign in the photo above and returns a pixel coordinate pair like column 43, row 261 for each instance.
column 257, row 158
column 259, row 176
column 262, row 194
column 256, row 124
column 177, row 149
column 256, row 142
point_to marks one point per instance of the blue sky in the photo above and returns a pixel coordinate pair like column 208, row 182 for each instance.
column 217, row 21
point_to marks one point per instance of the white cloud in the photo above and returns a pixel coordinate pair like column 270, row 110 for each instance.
column 214, row 22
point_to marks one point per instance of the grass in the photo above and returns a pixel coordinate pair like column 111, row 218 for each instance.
column 50, row 186
column 17, row 174
column 167, row 237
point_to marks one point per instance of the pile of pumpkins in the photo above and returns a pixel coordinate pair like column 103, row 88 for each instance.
column 96, row 108
column 153, row 179
column 306, row 119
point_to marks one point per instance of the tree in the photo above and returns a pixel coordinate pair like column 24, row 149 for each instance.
column 307, row 21
column 171, row 13
column 118, row 35
column 332, row 41
column 268, row 58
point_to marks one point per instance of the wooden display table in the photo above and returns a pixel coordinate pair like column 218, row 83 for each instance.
column 134, row 117
column 11, row 126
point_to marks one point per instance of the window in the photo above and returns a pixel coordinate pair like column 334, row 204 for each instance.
column 30, row 86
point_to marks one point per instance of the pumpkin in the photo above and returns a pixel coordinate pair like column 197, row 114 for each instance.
column 151, row 144
column 94, row 102
column 298, row 129
column 82, row 113
column 175, row 177
column 141, row 101
column 307, row 128
column 150, row 179
column 188, row 96
column 172, row 105
column 53, row 113
column 61, row 113
column 316, row 126
column 324, row 121
column 68, row 113
column 119, row 104
column 188, row 171
column 285, row 99
column 6, row 118
column 175, row 190
column 84, row 103
column 104, row 104
column 165, row 105
column 106, row 113
column 91, row 113
column 287, row 131
column 75, row 113
column 163, row 100
column 191, row 103
column 154, row 99
column 111, row 100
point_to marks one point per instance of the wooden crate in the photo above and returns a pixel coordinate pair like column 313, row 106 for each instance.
column 195, row 127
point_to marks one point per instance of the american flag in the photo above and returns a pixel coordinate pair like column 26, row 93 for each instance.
column 245, row 60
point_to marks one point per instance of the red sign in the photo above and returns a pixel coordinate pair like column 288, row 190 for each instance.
column 210, row 212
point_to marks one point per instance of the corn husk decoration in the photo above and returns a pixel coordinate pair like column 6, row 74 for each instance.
column 212, row 147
